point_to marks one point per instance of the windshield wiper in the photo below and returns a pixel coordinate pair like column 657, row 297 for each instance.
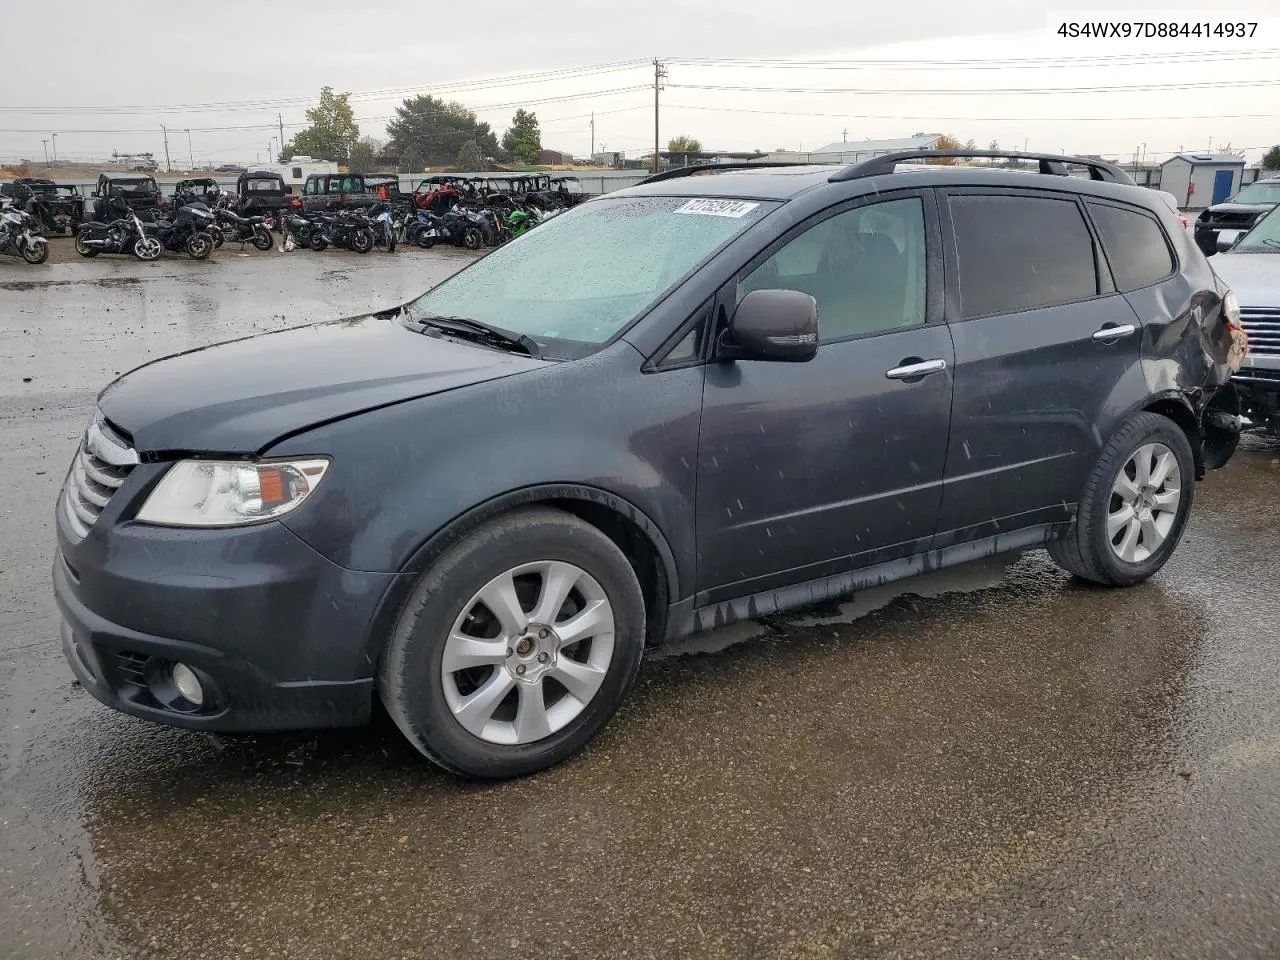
column 469, row 329
column 1271, row 243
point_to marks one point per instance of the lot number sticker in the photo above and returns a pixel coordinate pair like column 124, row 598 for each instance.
column 718, row 208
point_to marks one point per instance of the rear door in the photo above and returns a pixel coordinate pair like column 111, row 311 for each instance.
column 811, row 469
column 1047, row 354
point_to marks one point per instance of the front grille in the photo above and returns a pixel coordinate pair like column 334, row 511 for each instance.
column 1262, row 324
column 100, row 467
column 1229, row 221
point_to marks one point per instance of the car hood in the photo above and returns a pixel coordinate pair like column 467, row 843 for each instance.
column 1220, row 209
column 242, row 396
column 1253, row 277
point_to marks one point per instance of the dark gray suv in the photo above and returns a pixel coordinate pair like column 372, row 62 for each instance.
column 706, row 398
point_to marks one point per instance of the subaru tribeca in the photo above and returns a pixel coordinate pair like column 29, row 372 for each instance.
column 705, row 398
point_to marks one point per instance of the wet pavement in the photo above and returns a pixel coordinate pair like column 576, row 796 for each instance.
column 997, row 762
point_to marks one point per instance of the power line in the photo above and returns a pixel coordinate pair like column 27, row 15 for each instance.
column 988, row 92
column 898, row 116
column 1132, row 59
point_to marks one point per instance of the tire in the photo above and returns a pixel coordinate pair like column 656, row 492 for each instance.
column 262, row 239
column 1088, row 549
column 37, row 251
column 148, row 248
column 84, row 251
column 472, row 239
column 361, row 240
column 318, row 242
column 425, row 242
column 416, row 688
column 199, row 246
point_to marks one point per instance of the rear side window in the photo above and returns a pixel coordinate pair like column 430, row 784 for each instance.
column 1020, row 253
column 1134, row 244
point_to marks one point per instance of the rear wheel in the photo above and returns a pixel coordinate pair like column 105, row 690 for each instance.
column 83, row 250
column 517, row 646
column 318, row 242
column 1135, row 505
column 261, row 238
column 36, row 250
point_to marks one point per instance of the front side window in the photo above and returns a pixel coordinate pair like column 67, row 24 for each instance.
column 865, row 267
column 584, row 276
column 1021, row 253
column 1134, row 245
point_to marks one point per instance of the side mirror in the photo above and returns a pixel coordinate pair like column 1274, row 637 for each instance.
column 1225, row 240
column 779, row 325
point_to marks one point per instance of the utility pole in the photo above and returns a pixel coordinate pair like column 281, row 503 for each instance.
column 593, row 135
column 55, row 146
column 168, row 166
column 659, row 74
column 191, row 157
column 46, row 153
column 280, row 120
column 844, row 135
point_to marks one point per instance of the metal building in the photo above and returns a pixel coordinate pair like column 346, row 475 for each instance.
column 1200, row 180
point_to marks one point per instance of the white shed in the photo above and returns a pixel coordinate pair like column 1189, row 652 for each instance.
column 295, row 170
column 1200, row 180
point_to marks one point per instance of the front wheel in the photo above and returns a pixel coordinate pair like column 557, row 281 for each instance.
column 516, row 647
column 1135, row 505
column 148, row 248
column 199, row 246
column 362, row 240
column 472, row 238
column 318, row 242
column 35, row 250
column 261, row 238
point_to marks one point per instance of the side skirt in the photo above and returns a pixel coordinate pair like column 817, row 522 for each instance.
column 684, row 618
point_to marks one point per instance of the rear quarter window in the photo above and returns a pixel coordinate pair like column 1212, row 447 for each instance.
column 1019, row 253
column 1134, row 244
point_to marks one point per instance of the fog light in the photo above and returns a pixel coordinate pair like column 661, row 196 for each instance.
column 188, row 683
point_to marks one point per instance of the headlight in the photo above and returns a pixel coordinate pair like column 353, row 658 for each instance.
column 227, row 493
column 1231, row 308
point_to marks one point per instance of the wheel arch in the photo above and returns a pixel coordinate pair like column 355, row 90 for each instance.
column 1177, row 408
column 634, row 533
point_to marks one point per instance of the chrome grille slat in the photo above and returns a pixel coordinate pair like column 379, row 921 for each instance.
column 100, row 467
column 1262, row 324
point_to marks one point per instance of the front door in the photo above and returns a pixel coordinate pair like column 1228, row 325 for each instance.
column 1047, row 352
column 810, row 469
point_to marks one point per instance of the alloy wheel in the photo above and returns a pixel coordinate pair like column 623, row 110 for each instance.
column 528, row 652
column 1144, row 502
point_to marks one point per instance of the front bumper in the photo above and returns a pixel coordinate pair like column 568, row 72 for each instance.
column 278, row 635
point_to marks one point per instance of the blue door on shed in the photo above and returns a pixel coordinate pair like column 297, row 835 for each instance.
column 1222, row 181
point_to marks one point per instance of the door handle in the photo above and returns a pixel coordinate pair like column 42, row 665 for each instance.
column 916, row 369
column 1115, row 332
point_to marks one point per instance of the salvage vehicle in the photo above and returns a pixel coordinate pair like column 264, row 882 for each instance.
column 261, row 193
column 19, row 236
column 438, row 194
column 1224, row 223
column 695, row 401
column 138, row 194
column 337, row 191
column 1252, row 270
column 204, row 190
column 56, row 207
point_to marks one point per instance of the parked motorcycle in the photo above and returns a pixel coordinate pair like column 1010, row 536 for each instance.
column 188, row 231
column 18, row 237
column 349, row 230
column 459, row 227
column 298, row 231
column 233, row 228
column 386, row 228
column 125, row 235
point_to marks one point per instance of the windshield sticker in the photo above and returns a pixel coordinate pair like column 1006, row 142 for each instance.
column 718, row 208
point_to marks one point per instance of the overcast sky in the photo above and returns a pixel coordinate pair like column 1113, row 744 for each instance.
column 138, row 64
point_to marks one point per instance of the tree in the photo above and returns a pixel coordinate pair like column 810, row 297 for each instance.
column 432, row 131
column 523, row 139
column 365, row 154
column 411, row 161
column 469, row 159
column 948, row 143
column 1271, row 159
column 993, row 145
column 684, row 144
column 333, row 131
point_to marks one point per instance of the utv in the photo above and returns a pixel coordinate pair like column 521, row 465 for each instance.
column 137, row 192
column 57, row 207
column 261, row 193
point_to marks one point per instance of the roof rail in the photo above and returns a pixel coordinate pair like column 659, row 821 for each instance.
column 675, row 172
column 1050, row 163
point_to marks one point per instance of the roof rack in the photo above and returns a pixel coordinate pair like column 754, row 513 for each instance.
column 1050, row 163
column 675, row 172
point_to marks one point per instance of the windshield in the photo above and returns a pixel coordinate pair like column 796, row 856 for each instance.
column 1259, row 193
column 582, row 277
column 1263, row 238
column 135, row 186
